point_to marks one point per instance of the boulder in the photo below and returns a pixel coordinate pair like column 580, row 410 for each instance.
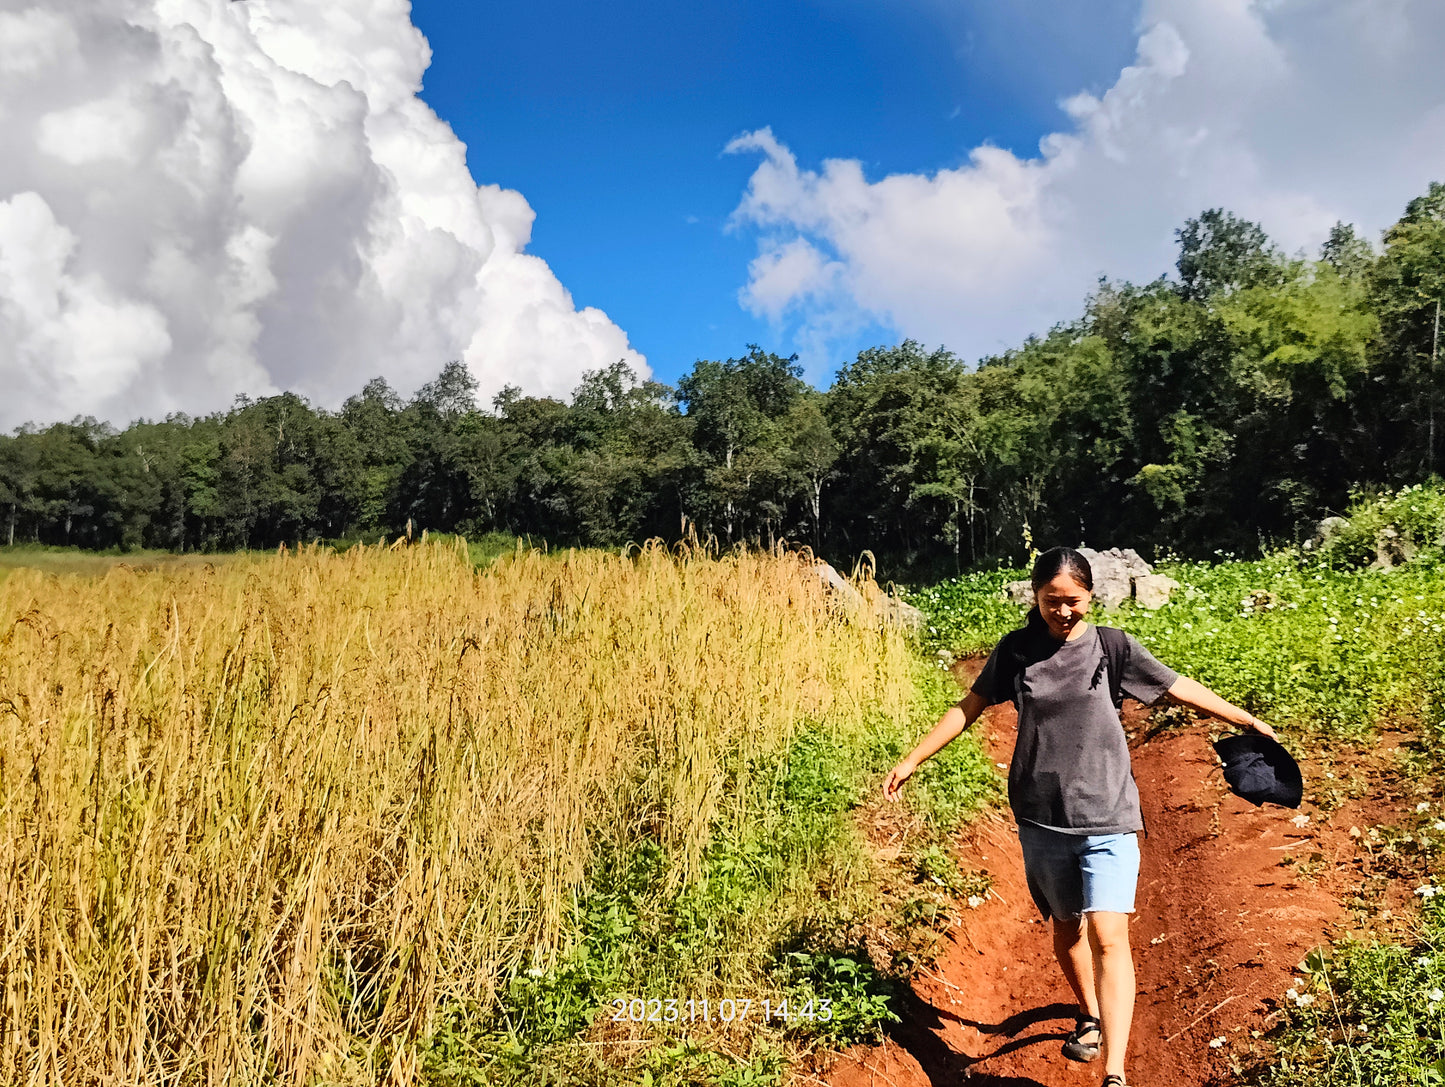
column 1114, row 573
column 1020, row 592
column 889, row 609
column 837, row 584
column 900, row 613
column 1326, row 531
column 1392, row 549
column 1132, row 560
column 1152, row 591
column 1118, row 575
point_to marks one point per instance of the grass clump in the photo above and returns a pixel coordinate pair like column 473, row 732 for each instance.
column 1369, row 1013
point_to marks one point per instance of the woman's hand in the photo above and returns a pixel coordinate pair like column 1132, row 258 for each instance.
column 954, row 720
column 893, row 783
column 1196, row 695
column 1263, row 729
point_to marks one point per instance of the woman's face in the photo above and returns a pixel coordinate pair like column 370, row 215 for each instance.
column 1063, row 602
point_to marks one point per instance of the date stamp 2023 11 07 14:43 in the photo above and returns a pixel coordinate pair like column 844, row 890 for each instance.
column 727, row 1010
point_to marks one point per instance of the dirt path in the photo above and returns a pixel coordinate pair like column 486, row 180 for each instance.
column 1231, row 898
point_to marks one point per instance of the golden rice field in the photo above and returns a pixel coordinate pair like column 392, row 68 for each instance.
column 262, row 819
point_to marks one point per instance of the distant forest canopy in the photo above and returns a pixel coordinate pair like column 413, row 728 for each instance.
column 1230, row 405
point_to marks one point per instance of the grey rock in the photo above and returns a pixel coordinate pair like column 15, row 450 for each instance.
column 1019, row 592
column 837, row 584
column 1132, row 560
column 1392, row 549
column 1326, row 531
column 887, row 609
column 1152, row 591
column 1113, row 579
column 899, row 613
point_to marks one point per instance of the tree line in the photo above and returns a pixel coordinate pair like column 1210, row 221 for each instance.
column 1229, row 404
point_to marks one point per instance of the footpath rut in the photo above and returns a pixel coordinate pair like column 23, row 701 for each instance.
column 1231, row 898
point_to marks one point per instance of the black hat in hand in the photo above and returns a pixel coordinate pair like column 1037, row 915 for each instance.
column 1260, row 770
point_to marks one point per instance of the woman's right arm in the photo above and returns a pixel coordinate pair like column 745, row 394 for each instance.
column 957, row 718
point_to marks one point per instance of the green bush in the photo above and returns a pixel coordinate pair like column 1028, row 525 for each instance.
column 1414, row 516
column 967, row 615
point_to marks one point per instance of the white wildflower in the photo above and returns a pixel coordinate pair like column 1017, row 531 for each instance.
column 1434, row 996
column 1424, row 805
column 1215, row 1043
column 1305, row 1000
column 1428, row 891
column 1439, row 824
column 974, row 902
column 1300, row 820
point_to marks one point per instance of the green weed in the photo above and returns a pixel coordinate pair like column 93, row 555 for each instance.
column 1407, row 522
column 967, row 615
column 1370, row 1014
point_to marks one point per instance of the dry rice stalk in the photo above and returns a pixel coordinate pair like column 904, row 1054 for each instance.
column 261, row 816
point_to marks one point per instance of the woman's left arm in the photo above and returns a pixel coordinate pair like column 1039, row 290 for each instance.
column 1193, row 693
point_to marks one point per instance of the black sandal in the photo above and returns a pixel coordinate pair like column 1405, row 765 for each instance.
column 1113, row 1079
column 1076, row 1049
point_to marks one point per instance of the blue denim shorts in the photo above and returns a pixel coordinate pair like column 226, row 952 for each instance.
column 1074, row 874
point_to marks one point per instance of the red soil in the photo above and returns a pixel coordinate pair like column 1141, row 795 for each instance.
column 1231, row 898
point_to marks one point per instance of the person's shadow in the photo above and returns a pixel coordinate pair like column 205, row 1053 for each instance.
column 922, row 1022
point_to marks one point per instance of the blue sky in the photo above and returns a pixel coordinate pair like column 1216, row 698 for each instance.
column 278, row 210
column 611, row 120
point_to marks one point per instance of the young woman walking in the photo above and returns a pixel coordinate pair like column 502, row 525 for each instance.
column 1071, row 788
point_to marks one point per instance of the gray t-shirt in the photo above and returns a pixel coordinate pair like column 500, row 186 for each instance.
column 1070, row 768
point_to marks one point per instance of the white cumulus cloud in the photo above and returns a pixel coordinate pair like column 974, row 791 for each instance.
column 199, row 199
column 1295, row 113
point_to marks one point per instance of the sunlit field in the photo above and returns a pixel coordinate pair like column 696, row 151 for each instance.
column 266, row 820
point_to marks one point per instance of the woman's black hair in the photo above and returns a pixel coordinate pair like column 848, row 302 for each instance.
column 1062, row 560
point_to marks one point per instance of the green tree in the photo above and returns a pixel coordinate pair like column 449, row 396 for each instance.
column 812, row 454
column 1407, row 286
column 19, row 480
column 1219, row 253
column 70, row 484
column 372, row 417
column 913, row 455
column 738, row 410
column 1350, row 255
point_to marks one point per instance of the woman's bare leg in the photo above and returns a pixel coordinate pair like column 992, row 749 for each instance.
column 1076, row 960
column 1113, row 971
